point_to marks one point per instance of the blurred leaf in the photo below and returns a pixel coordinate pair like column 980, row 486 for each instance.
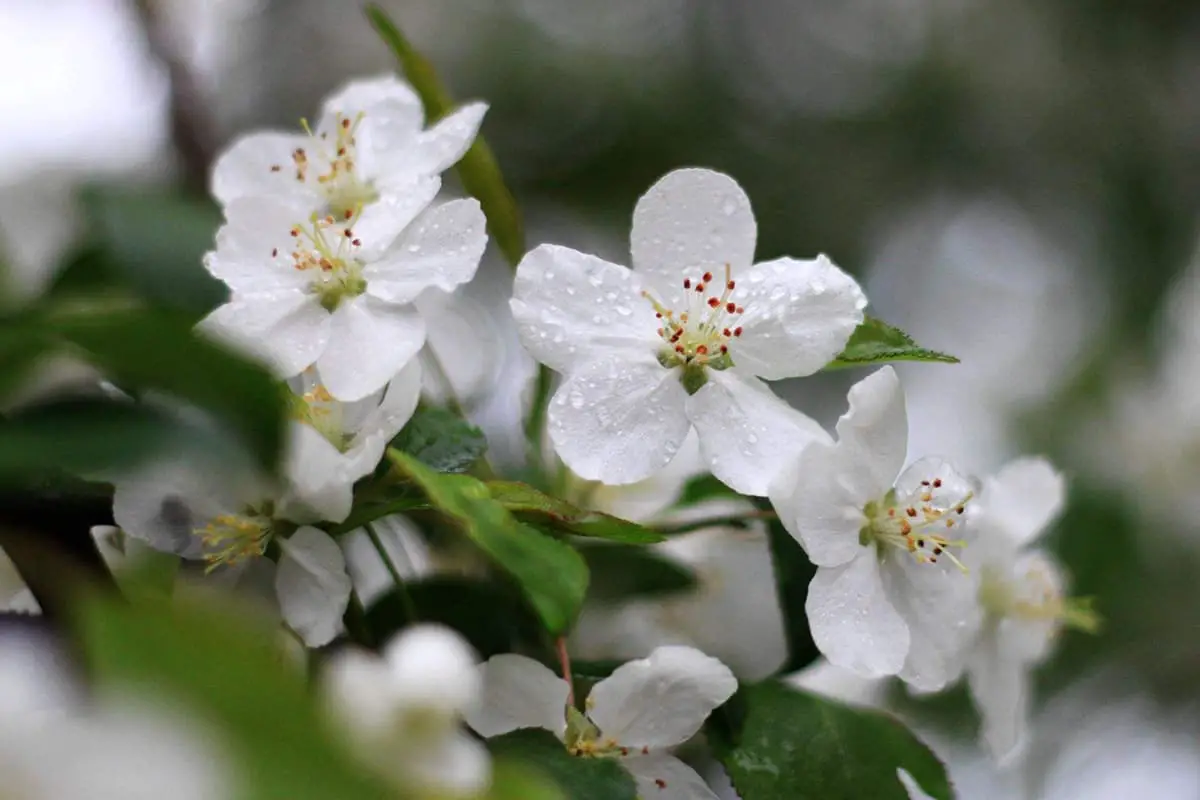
column 793, row 573
column 539, row 508
column 876, row 342
column 622, row 572
column 491, row 616
column 154, row 241
column 579, row 778
column 442, row 440
column 149, row 349
column 478, row 170
column 778, row 743
column 552, row 575
column 233, row 674
column 369, row 512
column 704, row 487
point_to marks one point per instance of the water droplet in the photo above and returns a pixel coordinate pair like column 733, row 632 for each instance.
column 752, row 438
column 571, row 291
column 624, row 311
column 577, row 400
column 728, row 208
column 414, row 248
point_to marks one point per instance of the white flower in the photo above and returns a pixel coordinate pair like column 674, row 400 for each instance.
column 339, row 291
column 888, row 597
column 186, row 510
column 369, row 145
column 1021, row 593
column 405, row 547
column 636, row 714
column 14, row 594
column 682, row 341
column 733, row 612
column 405, row 710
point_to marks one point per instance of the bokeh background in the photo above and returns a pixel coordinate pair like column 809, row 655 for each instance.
column 1015, row 181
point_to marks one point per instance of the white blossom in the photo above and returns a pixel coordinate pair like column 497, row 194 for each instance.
column 889, row 596
column 682, row 341
column 636, row 714
column 1021, row 592
column 14, row 594
column 405, row 710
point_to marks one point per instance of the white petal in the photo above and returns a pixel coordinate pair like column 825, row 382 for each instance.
column 385, row 421
column 818, row 506
column 164, row 506
column 852, row 620
column 254, row 245
column 403, row 543
column 365, row 94
column 692, row 220
column 799, row 315
column 663, row 777
column 441, row 249
column 937, row 603
column 434, row 668
column 747, row 434
column 357, row 684
column 369, row 342
column 661, row 700
column 569, row 306
column 1023, row 498
column 454, row 765
column 1000, row 690
column 518, row 692
column 319, row 487
column 873, row 433
column 379, row 224
column 939, row 481
column 465, row 348
column 442, row 146
column 289, row 329
column 619, row 419
column 246, row 168
column 915, row 792
column 312, row 585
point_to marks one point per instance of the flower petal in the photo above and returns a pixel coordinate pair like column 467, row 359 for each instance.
column 395, row 409
column 366, row 94
column 254, row 245
column 464, row 348
column 434, row 668
column 289, row 329
column 369, row 342
column 443, row 145
column 518, row 692
column 379, row 224
column 406, row 549
column 747, row 434
column 661, row 700
column 852, row 620
column 441, row 249
column 663, row 777
column 618, row 420
column 449, row 765
column 799, row 316
column 569, row 306
column 165, row 505
column 1022, row 499
column 999, row 688
column 692, row 220
column 818, row 506
column 915, row 792
column 312, row 585
column 319, row 488
column 248, row 168
column 873, row 433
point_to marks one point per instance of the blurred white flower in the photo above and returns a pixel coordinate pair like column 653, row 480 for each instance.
column 14, row 594
column 888, row 597
column 638, row 713
column 678, row 344
column 405, row 710
column 405, row 547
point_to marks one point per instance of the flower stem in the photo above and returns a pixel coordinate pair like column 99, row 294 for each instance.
column 564, row 659
column 410, row 608
column 535, row 425
column 728, row 520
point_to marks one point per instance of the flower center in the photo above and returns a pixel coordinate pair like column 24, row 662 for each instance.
column 326, row 249
column 233, row 538
column 1035, row 597
column 332, row 166
column 316, row 407
column 917, row 527
column 584, row 739
column 698, row 336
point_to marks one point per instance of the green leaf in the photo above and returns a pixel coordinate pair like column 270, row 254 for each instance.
column 876, row 342
column 778, row 743
column 793, row 573
column 552, row 575
column 539, row 508
column 220, row 664
column 704, row 487
column 478, row 170
column 620, row 572
column 579, row 778
column 512, row 780
column 149, row 349
column 442, row 440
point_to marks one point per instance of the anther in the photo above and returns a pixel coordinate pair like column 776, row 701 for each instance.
column 699, row 288
column 730, row 307
column 730, row 286
column 687, row 283
column 707, row 277
column 737, row 331
column 713, row 302
column 275, row 168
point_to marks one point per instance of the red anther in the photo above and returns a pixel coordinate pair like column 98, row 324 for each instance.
column 660, row 783
column 275, row 168
column 274, row 252
column 702, row 350
column 912, row 512
column 724, row 349
column 699, row 287
column 924, row 483
column 707, row 277
column 357, row 243
column 295, row 231
column 346, row 123
column 657, row 315
column 737, row 331
column 730, row 285
column 349, row 233
column 341, row 151
column 713, row 302
column 679, row 349
column 687, row 283
column 660, row 331
column 349, row 213
column 730, row 307
column 937, row 483
column 727, row 333
column 741, row 310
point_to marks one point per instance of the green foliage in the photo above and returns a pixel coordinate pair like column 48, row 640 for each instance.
column 552, row 575
column 478, row 169
column 234, row 675
column 793, row 573
column 876, row 342
column 579, row 778
column 442, row 440
column 513, row 781
column 704, row 487
column 622, row 572
column 533, row 506
column 778, row 743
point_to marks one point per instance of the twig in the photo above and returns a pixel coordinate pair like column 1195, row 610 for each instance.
column 738, row 520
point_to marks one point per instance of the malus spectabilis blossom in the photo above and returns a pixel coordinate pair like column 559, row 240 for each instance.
column 635, row 714
column 890, row 596
column 682, row 340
